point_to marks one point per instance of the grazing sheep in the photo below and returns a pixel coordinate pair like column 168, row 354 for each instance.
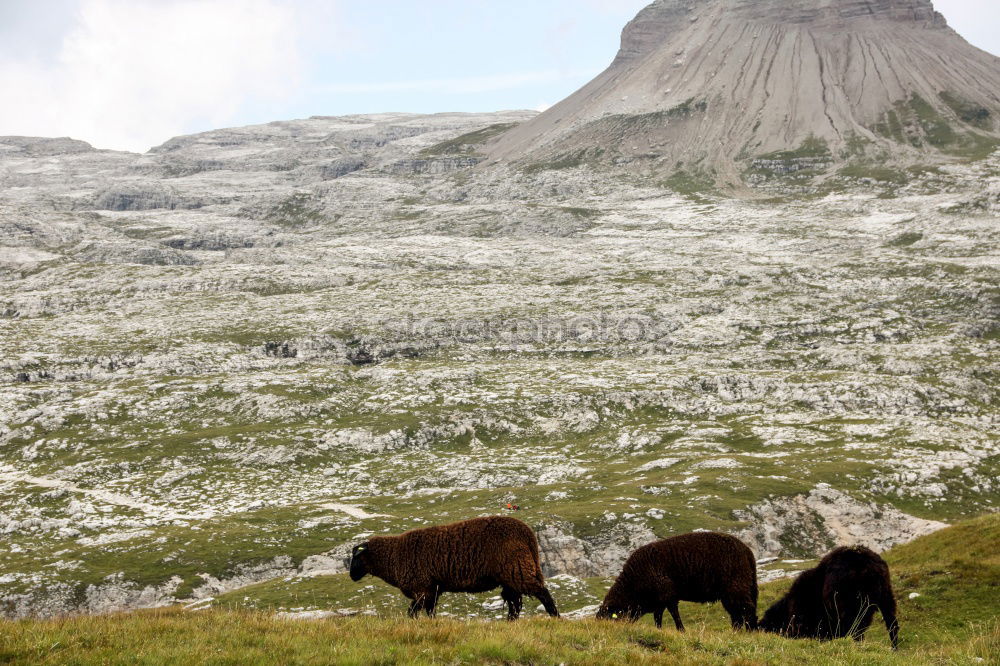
column 838, row 598
column 471, row 556
column 702, row 567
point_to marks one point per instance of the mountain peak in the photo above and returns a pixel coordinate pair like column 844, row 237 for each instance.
column 662, row 18
column 719, row 85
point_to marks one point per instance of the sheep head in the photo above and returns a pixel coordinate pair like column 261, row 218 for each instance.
column 624, row 613
column 617, row 606
column 359, row 562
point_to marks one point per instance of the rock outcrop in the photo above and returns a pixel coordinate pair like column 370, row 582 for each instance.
column 602, row 555
column 43, row 146
column 812, row 524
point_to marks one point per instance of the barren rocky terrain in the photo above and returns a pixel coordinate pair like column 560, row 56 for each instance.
column 228, row 359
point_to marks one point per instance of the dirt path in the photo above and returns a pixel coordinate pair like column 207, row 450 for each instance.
column 354, row 511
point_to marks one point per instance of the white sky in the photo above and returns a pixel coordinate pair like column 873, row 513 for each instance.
column 130, row 74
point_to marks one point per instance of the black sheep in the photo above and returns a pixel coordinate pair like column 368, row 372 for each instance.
column 702, row 567
column 471, row 556
column 837, row 599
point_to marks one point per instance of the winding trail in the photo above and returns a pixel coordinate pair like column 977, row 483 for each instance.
column 354, row 511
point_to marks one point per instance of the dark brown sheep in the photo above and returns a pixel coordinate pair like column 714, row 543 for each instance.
column 471, row 556
column 702, row 567
column 837, row 599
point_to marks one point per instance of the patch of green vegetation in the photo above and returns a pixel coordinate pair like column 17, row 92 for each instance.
column 295, row 211
column 968, row 112
column 856, row 146
column 956, row 568
column 975, row 147
column 188, row 551
column 695, row 184
column 916, row 122
column 793, row 168
column 146, row 232
column 467, row 144
column 246, row 334
column 812, row 148
column 624, row 125
column 879, row 174
column 374, row 595
column 582, row 213
column 575, row 211
column 176, row 637
column 687, row 108
column 408, row 215
column 566, row 161
column 906, row 239
column 937, row 130
column 891, row 127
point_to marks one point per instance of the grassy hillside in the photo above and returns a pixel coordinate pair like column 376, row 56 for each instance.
column 956, row 574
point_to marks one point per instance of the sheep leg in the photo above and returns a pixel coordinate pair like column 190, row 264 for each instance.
column 430, row 601
column 887, row 607
column 667, row 598
column 658, row 617
column 892, row 624
column 515, row 601
column 675, row 613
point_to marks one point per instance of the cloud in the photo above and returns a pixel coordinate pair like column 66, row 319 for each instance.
column 129, row 74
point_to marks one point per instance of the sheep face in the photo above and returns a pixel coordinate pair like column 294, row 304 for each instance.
column 619, row 604
column 359, row 562
column 618, row 612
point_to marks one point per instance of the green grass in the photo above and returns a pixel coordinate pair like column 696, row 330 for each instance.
column 812, row 147
column 176, row 637
column 956, row 572
column 953, row 620
column 565, row 161
column 936, row 128
column 906, row 239
column 891, row 127
column 969, row 112
column 797, row 167
column 296, row 211
column 467, row 144
column 626, row 124
column 917, row 122
column 872, row 172
column 692, row 184
column 686, row 108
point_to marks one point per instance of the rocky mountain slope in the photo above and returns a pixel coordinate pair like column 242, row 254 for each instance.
column 738, row 92
column 228, row 359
